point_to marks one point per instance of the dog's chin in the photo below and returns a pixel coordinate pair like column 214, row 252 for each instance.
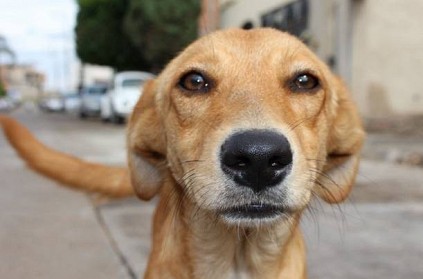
column 253, row 215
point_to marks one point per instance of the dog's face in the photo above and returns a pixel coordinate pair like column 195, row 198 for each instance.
column 250, row 124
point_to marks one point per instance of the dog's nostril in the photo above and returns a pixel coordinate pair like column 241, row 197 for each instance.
column 242, row 163
column 275, row 163
column 279, row 162
column 235, row 162
column 257, row 158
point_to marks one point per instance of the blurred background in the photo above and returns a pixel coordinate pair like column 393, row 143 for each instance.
column 59, row 47
column 67, row 64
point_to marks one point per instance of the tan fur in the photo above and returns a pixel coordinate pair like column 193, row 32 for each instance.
column 174, row 138
column 110, row 181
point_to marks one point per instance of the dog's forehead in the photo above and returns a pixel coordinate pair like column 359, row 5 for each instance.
column 239, row 40
column 242, row 48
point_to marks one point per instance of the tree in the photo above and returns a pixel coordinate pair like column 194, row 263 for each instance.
column 134, row 34
column 100, row 38
column 162, row 28
column 2, row 90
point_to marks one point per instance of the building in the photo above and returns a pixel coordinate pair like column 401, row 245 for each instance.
column 88, row 74
column 375, row 45
column 24, row 80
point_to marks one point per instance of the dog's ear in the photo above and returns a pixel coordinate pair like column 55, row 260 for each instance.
column 146, row 145
column 344, row 144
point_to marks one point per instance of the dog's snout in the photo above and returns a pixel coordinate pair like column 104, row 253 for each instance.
column 257, row 159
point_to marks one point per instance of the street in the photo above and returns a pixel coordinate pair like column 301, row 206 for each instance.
column 48, row 231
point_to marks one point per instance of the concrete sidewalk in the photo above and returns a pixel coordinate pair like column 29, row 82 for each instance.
column 397, row 148
column 377, row 233
column 47, row 231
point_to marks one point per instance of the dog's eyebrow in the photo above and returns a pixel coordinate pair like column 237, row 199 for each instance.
column 304, row 67
column 199, row 69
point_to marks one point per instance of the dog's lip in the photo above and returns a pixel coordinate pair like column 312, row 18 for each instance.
column 253, row 211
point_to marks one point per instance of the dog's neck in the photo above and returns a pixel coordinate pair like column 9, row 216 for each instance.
column 239, row 253
column 195, row 244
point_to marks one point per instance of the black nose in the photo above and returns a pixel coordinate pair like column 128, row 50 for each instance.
column 257, row 159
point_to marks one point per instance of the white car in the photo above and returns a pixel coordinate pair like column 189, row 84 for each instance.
column 120, row 100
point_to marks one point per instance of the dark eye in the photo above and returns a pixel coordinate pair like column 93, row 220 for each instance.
column 304, row 83
column 194, row 82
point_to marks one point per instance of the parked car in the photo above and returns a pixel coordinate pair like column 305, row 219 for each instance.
column 11, row 101
column 6, row 104
column 52, row 103
column 120, row 100
column 72, row 102
column 15, row 96
column 91, row 100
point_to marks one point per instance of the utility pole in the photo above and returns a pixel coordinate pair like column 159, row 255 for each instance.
column 81, row 77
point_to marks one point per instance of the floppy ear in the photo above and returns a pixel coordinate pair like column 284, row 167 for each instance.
column 146, row 145
column 344, row 144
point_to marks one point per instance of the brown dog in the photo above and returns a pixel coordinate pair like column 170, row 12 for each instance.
column 236, row 135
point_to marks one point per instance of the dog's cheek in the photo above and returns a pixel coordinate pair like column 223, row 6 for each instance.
column 307, row 151
column 207, row 181
column 175, row 164
column 306, row 106
column 184, row 156
column 188, row 108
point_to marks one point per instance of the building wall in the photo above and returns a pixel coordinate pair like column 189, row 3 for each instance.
column 90, row 75
column 388, row 57
column 328, row 35
column 27, row 82
column 377, row 46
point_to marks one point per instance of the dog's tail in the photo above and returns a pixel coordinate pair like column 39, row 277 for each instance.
column 66, row 169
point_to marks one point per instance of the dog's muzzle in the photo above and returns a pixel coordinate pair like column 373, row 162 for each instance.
column 257, row 159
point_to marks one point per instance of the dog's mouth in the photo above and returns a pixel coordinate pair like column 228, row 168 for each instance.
column 253, row 212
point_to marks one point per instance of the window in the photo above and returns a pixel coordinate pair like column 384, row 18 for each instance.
column 292, row 18
column 131, row 83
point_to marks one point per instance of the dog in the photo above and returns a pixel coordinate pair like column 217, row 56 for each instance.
column 236, row 135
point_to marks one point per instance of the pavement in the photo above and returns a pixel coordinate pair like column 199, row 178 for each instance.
column 48, row 231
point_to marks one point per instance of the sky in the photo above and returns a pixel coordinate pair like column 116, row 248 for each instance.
column 41, row 32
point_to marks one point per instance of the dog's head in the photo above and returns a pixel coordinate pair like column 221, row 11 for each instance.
column 250, row 124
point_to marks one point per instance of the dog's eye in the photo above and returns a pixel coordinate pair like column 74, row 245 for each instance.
column 194, row 82
column 304, row 83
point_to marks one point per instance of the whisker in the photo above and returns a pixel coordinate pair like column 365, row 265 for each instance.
column 192, row 161
column 295, row 124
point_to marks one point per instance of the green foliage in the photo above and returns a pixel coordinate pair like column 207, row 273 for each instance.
column 100, row 38
column 162, row 28
column 2, row 90
column 134, row 34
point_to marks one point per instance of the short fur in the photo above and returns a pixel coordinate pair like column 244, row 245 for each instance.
column 174, row 138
